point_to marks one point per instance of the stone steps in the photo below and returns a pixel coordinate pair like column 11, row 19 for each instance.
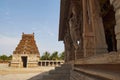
column 63, row 67
column 75, row 76
column 60, row 73
column 93, row 74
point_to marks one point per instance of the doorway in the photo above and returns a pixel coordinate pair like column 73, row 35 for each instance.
column 108, row 16
column 24, row 60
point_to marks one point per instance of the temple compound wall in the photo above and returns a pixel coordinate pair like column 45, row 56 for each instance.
column 50, row 63
column 90, row 30
column 26, row 53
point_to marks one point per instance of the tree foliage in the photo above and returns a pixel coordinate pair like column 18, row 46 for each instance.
column 46, row 56
column 61, row 56
column 10, row 57
column 54, row 56
column 5, row 58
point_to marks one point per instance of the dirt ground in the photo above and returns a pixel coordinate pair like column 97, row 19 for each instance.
column 9, row 73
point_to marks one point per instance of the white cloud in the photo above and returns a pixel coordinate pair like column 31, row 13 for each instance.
column 51, row 34
column 8, row 44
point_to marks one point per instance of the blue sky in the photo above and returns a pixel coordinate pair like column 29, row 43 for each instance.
column 28, row 16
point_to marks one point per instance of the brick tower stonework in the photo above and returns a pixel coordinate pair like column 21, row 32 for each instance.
column 26, row 53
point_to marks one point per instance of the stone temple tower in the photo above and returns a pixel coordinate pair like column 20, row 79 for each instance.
column 26, row 53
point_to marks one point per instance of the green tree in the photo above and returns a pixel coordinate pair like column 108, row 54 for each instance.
column 46, row 56
column 61, row 56
column 3, row 57
column 54, row 56
column 10, row 57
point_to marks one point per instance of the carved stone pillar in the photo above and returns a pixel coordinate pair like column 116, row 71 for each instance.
column 96, row 19
column 75, row 26
column 40, row 63
column 116, row 4
column 65, row 53
column 48, row 63
column 68, row 48
column 93, row 32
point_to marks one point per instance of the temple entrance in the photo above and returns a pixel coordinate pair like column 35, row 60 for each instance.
column 24, row 60
column 108, row 16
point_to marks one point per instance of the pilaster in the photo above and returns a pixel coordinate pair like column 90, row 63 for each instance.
column 116, row 4
column 93, row 32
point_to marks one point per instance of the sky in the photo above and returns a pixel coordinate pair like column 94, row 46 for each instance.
column 28, row 16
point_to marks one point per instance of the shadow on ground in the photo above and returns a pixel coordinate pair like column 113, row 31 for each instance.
column 39, row 76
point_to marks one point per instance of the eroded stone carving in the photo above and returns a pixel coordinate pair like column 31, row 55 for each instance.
column 75, row 21
column 75, row 25
column 69, row 48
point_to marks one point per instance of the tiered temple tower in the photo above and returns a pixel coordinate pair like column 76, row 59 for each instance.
column 26, row 53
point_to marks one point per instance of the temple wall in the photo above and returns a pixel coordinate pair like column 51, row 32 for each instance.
column 92, row 41
column 32, row 60
column 50, row 63
column 26, row 53
column 96, row 63
column 40, row 63
column 15, row 64
column 116, row 4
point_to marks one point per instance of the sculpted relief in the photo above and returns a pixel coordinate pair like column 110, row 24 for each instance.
column 73, row 37
column 69, row 48
column 75, row 25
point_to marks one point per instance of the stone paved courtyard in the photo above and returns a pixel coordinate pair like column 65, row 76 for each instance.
column 8, row 73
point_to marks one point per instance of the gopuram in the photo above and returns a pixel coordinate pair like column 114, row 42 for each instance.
column 90, row 30
column 26, row 53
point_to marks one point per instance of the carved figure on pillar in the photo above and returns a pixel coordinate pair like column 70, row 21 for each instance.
column 68, row 47
column 75, row 26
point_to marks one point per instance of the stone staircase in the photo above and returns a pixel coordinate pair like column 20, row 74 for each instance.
column 96, row 72
column 82, row 76
column 59, row 73
column 75, row 76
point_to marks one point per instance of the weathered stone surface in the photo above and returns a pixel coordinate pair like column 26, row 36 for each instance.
column 116, row 4
column 60, row 73
column 26, row 53
column 98, row 28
